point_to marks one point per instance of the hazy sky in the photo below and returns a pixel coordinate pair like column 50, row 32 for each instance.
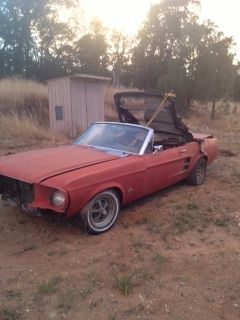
column 127, row 15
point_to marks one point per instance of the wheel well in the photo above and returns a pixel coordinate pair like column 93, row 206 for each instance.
column 205, row 157
column 119, row 193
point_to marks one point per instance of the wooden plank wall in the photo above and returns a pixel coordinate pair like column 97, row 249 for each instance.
column 59, row 95
column 87, row 103
column 95, row 101
column 78, row 98
column 82, row 101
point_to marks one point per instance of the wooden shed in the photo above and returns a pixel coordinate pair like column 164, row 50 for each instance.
column 75, row 101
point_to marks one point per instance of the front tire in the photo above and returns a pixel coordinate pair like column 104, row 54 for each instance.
column 100, row 213
column 198, row 173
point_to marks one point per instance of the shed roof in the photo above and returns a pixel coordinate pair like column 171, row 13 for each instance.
column 82, row 76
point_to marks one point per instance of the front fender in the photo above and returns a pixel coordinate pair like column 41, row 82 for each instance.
column 80, row 198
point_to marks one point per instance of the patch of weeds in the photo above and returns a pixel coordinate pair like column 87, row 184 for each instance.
column 159, row 260
column 236, row 172
column 192, row 205
column 27, row 248
column 125, row 225
column 12, row 294
column 145, row 220
column 85, row 292
column 124, row 283
column 189, row 219
column 46, row 288
column 209, row 299
column 183, row 221
column 94, row 282
column 177, row 207
column 222, row 222
column 30, row 247
column 9, row 313
column 158, row 205
column 137, row 246
column 112, row 316
column 95, row 302
column 146, row 275
column 93, row 279
column 49, row 287
column 55, row 280
column 50, row 253
column 62, row 252
column 66, row 300
column 152, row 227
column 134, row 310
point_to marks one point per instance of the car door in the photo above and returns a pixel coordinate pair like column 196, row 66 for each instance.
column 167, row 167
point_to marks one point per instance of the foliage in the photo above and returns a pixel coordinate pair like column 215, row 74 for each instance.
column 215, row 72
column 175, row 51
column 91, row 50
column 172, row 50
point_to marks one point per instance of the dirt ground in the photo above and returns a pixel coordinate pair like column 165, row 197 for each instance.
column 174, row 255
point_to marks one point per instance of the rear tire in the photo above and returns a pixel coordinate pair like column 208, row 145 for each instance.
column 100, row 213
column 198, row 173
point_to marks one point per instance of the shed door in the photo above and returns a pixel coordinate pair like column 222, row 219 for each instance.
column 95, row 102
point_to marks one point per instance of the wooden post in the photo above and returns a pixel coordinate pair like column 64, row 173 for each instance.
column 213, row 110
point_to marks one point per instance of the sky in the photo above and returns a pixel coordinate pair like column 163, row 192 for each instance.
column 127, row 15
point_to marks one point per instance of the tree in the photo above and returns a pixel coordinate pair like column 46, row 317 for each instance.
column 31, row 36
column 236, row 87
column 175, row 51
column 91, row 50
column 160, row 40
column 215, row 70
column 16, row 41
column 118, row 55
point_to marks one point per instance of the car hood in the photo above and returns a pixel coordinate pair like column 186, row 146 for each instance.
column 38, row 165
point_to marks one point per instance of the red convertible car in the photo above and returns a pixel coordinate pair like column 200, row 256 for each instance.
column 110, row 164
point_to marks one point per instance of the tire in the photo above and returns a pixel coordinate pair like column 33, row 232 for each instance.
column 100, row 213
column 198, row 173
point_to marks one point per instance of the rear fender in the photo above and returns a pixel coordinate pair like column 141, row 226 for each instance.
column 209, row 147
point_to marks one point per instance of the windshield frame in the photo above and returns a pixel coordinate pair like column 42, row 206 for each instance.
column 142, row 150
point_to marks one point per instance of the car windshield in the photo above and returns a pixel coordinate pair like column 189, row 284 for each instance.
column 121, row 137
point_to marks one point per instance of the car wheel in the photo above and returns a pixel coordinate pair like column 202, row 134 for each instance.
column 100, row 213
column 198, row 173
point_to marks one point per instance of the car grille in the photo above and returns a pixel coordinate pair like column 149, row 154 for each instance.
column 16, row 189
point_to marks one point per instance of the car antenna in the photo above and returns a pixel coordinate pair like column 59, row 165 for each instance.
column 161, row 106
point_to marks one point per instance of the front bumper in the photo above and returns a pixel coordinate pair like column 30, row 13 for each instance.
column 30, row 197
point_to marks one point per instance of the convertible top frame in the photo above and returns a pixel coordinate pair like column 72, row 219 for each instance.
column 166, row 122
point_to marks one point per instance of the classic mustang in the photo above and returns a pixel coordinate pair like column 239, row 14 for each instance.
column 110, row 164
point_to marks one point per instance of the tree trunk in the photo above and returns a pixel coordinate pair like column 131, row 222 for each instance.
column 213, row 110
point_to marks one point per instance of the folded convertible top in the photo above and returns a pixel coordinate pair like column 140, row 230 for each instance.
column 139, row 108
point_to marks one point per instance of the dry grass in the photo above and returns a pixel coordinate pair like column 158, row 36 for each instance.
column 226, row 125
column 14, row 128
column 23, row 111
column 17, row 94
column 226, row 119
column 24, row 107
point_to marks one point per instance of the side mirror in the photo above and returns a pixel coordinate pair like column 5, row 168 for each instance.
column 158, row 149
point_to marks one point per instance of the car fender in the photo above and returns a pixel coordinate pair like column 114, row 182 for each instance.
column 88, row 195
column 209, row 149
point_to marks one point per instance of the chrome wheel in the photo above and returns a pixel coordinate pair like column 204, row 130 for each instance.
column 101, row 212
